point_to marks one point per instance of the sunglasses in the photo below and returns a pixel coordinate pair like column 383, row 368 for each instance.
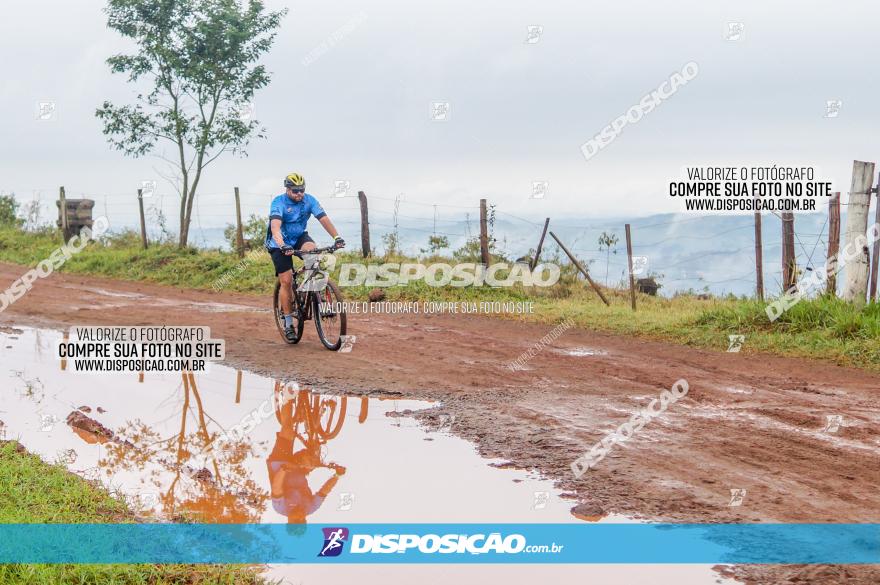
column 297, row 190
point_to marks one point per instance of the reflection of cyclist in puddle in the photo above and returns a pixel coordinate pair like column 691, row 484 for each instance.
column 291, row 494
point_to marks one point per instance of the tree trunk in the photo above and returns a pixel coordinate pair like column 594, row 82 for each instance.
column 186, row 203
column 190, row 199
column 181, row 240
column 184, row 194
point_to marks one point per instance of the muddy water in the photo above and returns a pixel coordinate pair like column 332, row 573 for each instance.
column 118, row 300
column 230, row 446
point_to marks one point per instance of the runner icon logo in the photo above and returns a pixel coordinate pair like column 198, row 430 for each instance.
column 334, row 541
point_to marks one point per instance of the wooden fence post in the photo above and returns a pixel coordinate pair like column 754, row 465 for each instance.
column 789, row 264
column 365, row 224
column 581, row 268
column 484, row 235
column 63, row 360
column 629, row 260
column 855, row 286
column 238, row 387
column 875, row 260
column 833, row 243
column 540, row 245
column 759, row 257
column 143, row 220
column 62, row 207
column 239, row 230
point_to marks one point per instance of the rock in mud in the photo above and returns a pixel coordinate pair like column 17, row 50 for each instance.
column 588, row 511
column 204, row 475
column 376, row 295
column 86, row 409
column 80, row 421
column 407, row 412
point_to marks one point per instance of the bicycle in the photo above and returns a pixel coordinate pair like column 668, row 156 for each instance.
column 322, row 416
column 316, row 297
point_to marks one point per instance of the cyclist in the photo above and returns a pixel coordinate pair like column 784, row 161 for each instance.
column 288, row 219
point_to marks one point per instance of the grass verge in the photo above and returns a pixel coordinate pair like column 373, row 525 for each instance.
column 823, row 328
column 32, row 491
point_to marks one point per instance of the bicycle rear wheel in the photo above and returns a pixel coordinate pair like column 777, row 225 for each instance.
column 329, row 316
column 279, row 317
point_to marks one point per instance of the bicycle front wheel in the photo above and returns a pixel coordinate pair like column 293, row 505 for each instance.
column 329, row 315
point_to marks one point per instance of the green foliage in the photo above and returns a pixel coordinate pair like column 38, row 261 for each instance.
column 32, row 491
column 490, row 221
column 824, row 328
column 831, row 315
column 608, row 244
column 608, row 241
column 392, row 246
column 9, row 211
column 254, row 231
column 468, row 252
column 435, row 244
column 156, row 218
column 198, row 59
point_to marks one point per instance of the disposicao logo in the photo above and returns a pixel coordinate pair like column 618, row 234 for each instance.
column 334, row 541
column 474, row 544
column 414, row 544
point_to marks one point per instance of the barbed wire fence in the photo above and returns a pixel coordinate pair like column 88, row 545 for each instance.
column 698, row 254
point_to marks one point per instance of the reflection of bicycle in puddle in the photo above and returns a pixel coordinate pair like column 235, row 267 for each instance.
column 312, row 421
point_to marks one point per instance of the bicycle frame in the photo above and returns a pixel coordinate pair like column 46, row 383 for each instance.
column 314, row 279
column 312, row 289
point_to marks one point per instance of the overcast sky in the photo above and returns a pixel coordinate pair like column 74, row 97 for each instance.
column 519, row 111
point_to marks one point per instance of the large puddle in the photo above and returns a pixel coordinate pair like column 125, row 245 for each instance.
column 230, row 446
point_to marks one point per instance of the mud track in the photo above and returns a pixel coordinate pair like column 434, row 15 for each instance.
column 752, row 422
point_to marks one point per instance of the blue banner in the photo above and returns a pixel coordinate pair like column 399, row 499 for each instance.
column 441, row 543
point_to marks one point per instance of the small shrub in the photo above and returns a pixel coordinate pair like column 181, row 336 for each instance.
column 9, row 212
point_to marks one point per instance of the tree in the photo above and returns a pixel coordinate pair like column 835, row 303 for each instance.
column 9, row 211
column 608, row 244
column 198, row 61
column 435, row 244
column 392, row 244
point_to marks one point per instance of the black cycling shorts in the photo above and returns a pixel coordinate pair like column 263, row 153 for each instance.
column 282, row 261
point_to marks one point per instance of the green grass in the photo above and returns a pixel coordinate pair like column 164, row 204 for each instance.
column 32, row 491
column 823, row 329
column 826, row 329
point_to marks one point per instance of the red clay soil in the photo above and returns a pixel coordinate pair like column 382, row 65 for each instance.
column 752, row 422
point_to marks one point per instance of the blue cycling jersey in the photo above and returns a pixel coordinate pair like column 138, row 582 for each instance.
column 294, row 217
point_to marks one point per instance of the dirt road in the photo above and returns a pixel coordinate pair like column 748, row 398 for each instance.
column 800, row 437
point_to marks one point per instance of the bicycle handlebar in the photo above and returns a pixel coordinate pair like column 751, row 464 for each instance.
column 300, row 253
